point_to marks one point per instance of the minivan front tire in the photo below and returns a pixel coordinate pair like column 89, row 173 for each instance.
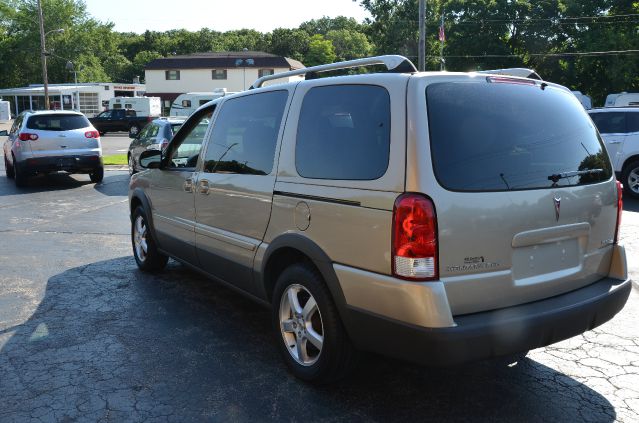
column 146, row 254
column 309, row 332
column 630, row 179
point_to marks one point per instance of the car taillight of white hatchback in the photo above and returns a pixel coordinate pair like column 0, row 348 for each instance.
column 414, row 238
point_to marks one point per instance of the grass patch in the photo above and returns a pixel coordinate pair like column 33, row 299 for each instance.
column 115, row 159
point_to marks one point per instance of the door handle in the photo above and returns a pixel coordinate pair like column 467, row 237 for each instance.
column 188, row 185
column 203, row 188
column 615, row 142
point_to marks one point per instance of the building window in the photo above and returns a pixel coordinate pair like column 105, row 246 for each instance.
column 218, row 73
column 172, row 75
column 265, row 72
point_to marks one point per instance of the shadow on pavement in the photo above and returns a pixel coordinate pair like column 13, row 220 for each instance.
column 65, row 181
column 630, row 204
column 109, row 342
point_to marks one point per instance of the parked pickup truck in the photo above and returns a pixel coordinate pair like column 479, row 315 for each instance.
column 120, row 120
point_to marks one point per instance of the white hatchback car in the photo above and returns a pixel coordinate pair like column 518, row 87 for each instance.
column 52, row 141
column 619, row 128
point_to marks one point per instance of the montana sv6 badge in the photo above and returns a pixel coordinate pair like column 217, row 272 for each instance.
column 472, row 263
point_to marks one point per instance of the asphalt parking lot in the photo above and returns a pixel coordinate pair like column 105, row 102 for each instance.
column 85, row 336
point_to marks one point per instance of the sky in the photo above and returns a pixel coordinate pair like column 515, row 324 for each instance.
column 220, row 15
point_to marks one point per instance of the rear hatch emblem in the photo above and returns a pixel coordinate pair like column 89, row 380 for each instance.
column 557, row 201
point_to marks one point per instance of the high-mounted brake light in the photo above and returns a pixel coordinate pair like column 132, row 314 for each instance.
column 619, row 209
column 414, row 238
column 26, row 136
column 507, row 80
column 92, row 134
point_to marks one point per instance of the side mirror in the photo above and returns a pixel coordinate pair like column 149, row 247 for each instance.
column 4, row 133
column 151, row 159
column 133, row 136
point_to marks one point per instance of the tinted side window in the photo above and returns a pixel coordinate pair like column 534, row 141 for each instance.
column 344, row 133
column 610, row 123
column 245, row 134
column 632, row 122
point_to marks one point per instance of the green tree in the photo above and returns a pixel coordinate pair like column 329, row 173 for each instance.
column 349, row 44
column 320, row 51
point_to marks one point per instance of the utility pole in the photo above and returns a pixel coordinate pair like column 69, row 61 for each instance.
column 421, row 52
column 43, row 55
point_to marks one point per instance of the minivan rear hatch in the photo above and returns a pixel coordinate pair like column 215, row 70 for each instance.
column 525, row 199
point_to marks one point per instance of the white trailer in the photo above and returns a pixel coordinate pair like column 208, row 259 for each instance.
column 5, row 111
column 584, row 99
column 623, row 99
column 187, row 103
column 143, row 106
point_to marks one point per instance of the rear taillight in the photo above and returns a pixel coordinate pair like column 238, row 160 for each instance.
column 164, row 144
column 92, row 134
column 26, row 136
column 414, row 238
column 619, row 209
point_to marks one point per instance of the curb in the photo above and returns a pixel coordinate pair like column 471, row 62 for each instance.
column 116, row 167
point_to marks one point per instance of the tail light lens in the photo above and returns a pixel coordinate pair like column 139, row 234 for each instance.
column 619, row 209
column 414, row 243
column 26, row 136
column 92, row 134
column 164, row 144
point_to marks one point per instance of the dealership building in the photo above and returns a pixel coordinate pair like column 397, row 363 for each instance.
column 88, row 98
column 233, row 71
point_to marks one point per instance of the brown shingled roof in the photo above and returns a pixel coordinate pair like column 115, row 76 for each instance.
column 225, row 59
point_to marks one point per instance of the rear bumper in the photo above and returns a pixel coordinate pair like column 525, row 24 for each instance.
column 492, row 333
column 71, row 163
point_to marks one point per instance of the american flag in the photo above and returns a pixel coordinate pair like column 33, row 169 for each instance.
column 442, row 33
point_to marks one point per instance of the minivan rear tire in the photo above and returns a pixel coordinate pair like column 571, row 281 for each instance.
column 630, row 170
column 337, row 355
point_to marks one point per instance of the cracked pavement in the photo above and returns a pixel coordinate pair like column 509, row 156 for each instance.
column 85, row 336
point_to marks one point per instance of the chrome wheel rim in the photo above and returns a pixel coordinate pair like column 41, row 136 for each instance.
column 633, row 180
column 139, row 238
column 301, row 325
column 131, row 170
column 134, row 130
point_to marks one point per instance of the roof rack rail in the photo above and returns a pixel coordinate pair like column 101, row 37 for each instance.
column 520, row 72
column 393, row 63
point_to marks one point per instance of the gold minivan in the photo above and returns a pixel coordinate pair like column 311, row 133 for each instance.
column 430, row 216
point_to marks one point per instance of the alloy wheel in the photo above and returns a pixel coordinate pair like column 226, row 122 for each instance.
column 139, row 238
column 301, row 325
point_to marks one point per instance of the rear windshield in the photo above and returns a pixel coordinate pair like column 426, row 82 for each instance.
column 505, row 136
column 57, row 122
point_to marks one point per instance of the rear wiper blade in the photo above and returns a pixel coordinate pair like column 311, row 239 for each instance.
column 557, row 176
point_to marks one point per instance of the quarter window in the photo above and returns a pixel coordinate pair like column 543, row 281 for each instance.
column 185, row 149
column 245, row 134
column 218, row 73
column 344, row 133
column 172, row 75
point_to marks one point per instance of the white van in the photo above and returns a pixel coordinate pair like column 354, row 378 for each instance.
column 187, row 103
column 584, row 99
column 143, row 106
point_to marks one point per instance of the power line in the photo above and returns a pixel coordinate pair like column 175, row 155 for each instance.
column 567, row 54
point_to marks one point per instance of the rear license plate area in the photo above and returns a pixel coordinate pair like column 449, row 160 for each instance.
column 545, row 259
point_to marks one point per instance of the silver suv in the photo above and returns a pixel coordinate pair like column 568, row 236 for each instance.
column 434, row 217
column 619, row 128
column 52, row 141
